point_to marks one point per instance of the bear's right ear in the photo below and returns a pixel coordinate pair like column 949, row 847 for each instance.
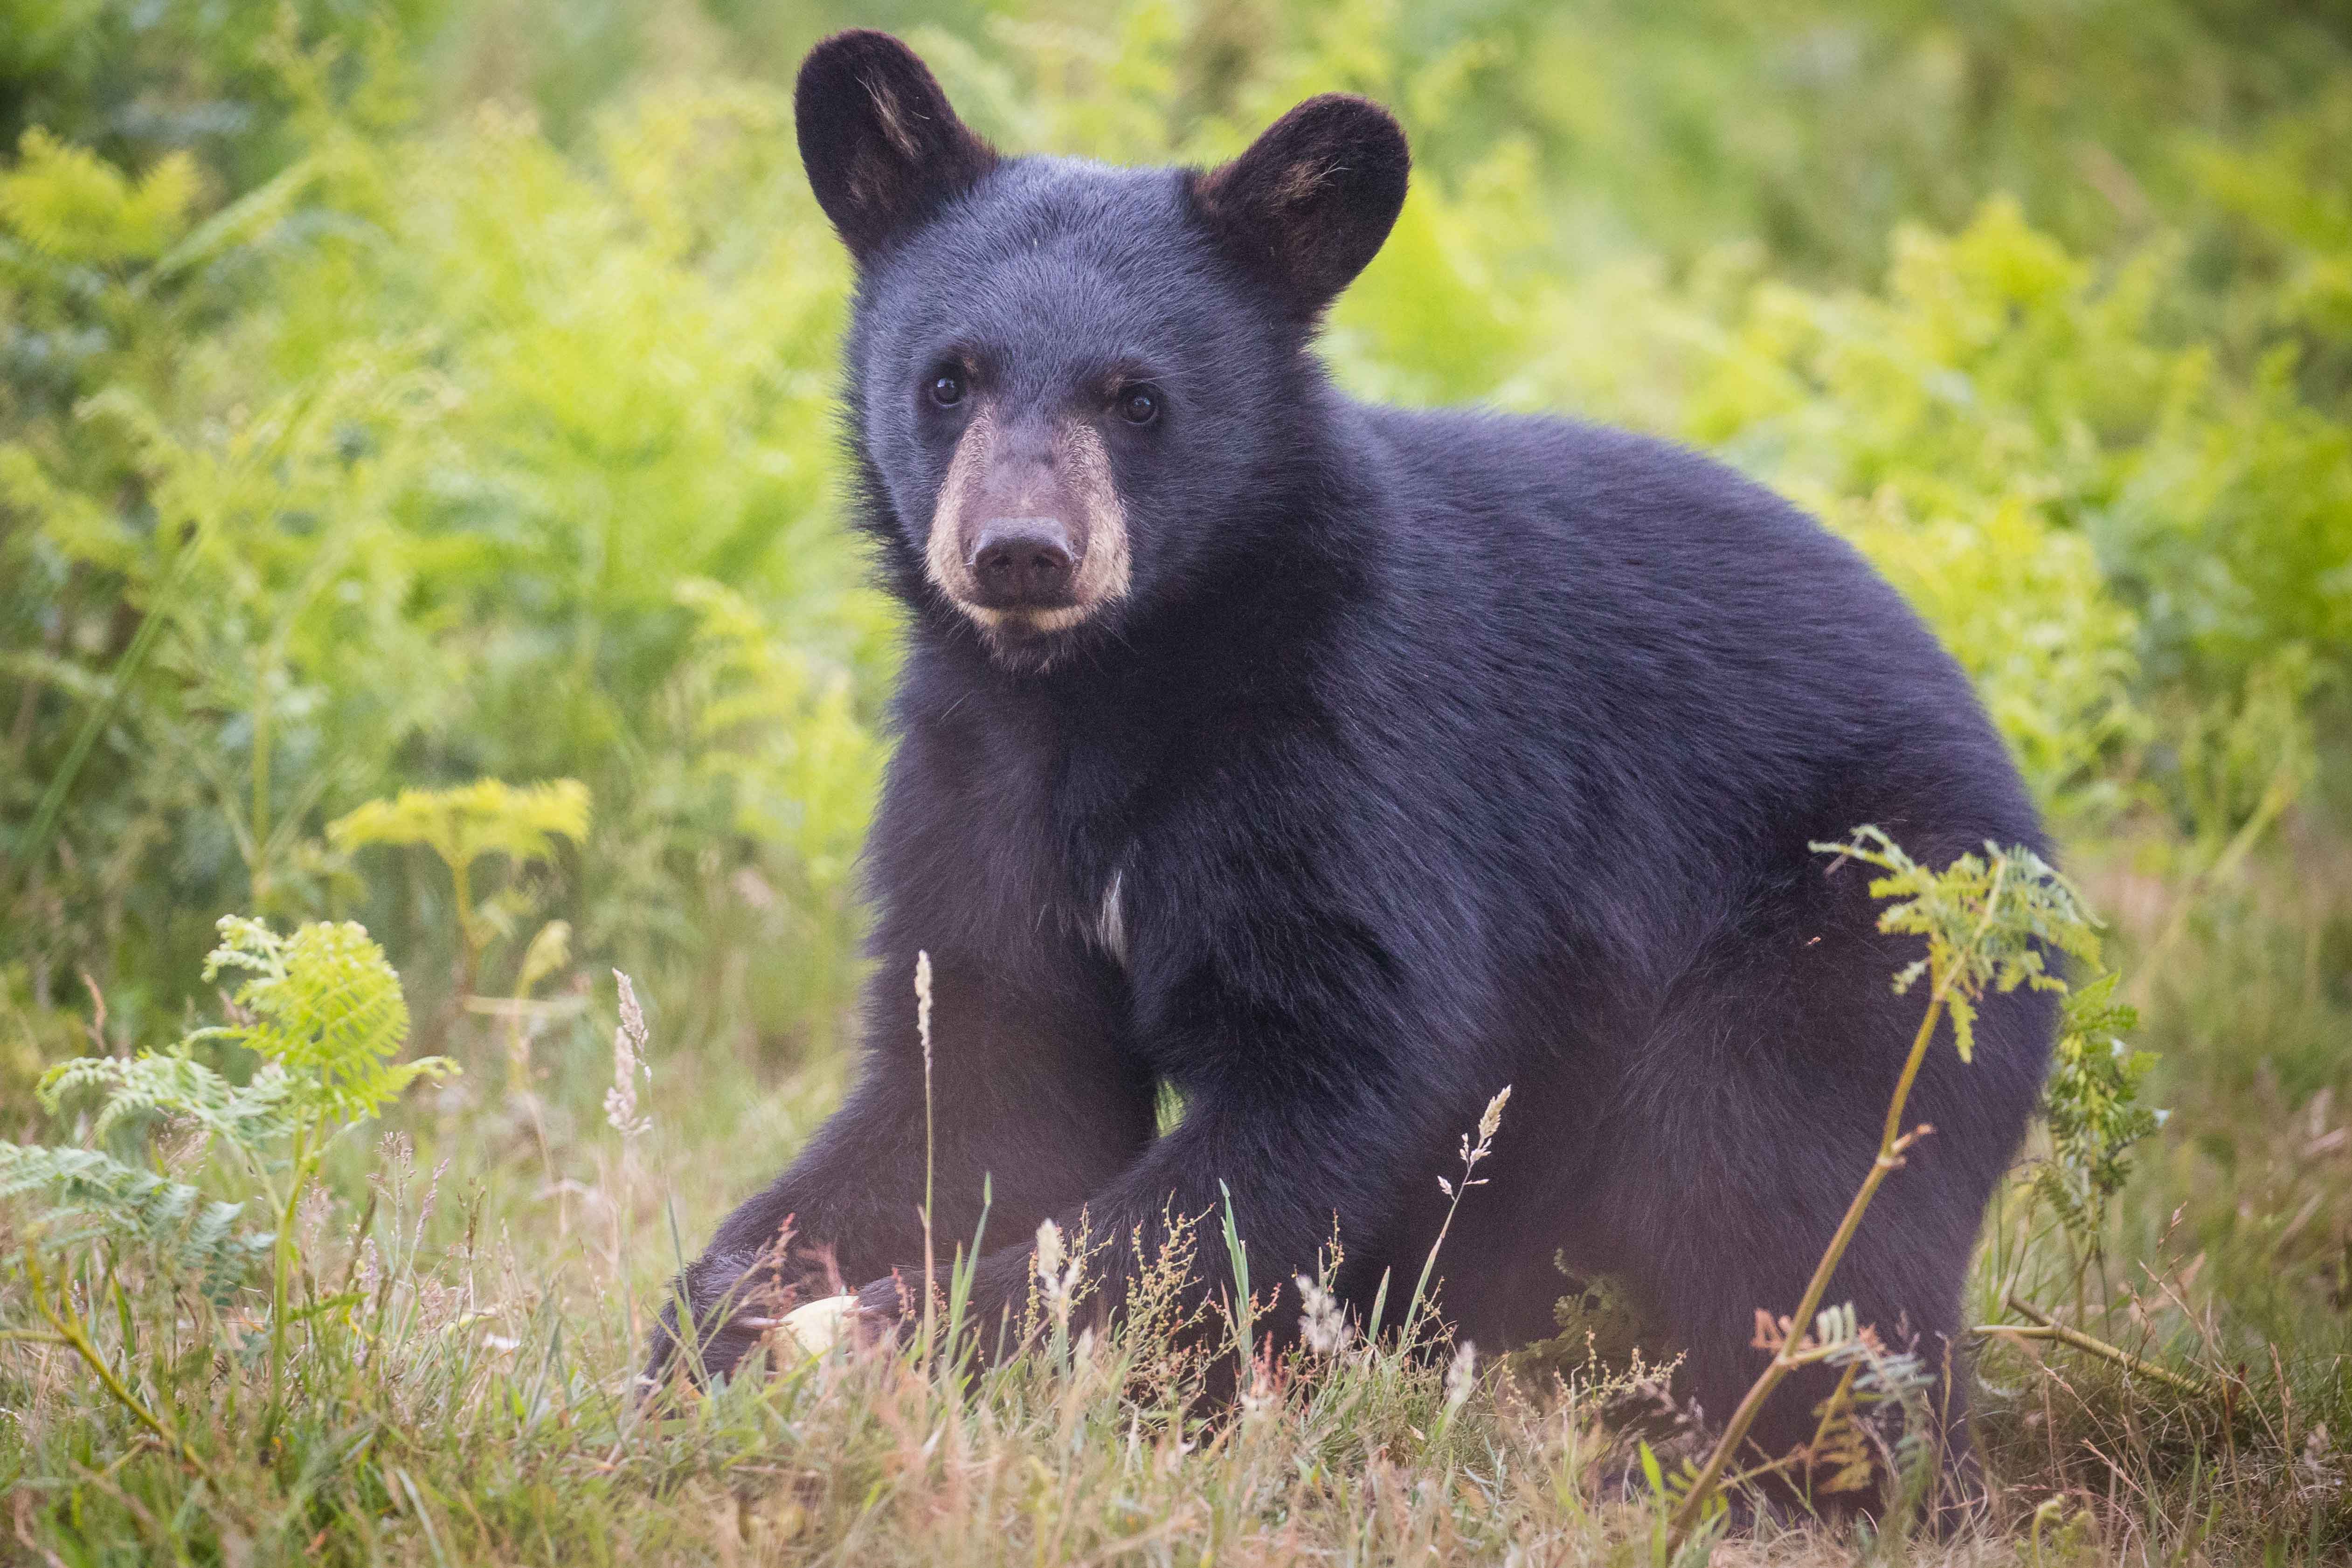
column 1311, row 200
column 881, row 145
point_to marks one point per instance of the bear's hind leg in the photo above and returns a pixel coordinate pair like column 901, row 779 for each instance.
column 1749, row 1118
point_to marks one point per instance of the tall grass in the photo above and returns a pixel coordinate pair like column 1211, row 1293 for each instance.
column 460, row 1387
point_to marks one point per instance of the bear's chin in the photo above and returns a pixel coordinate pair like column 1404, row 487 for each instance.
column 1030, row 642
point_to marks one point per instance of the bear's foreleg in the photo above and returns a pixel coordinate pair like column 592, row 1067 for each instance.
column 1027, row 1108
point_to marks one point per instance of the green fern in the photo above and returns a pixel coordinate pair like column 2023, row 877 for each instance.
column 462, row 824
column 161, row 1086
column 2093, row 1108
column 324, row 1005
column 69, row 203
column 87, row 1197
column 323, row 1010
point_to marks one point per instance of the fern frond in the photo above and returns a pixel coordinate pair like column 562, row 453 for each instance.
column 2092, row 1105
column 489, row 816
column 85, row 1196
column 1990, row 921
column 172, row 1085
column 69, row 203
column 325, row 1007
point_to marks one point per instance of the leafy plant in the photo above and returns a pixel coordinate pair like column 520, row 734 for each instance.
column 321, row 1011
column 2092, row 1105
column 77, row 207
column 462, row 824
column 87, row 1196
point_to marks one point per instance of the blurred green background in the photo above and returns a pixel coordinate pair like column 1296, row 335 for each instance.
column 398, row 396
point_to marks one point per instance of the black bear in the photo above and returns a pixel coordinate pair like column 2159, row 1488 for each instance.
column 1340, row 765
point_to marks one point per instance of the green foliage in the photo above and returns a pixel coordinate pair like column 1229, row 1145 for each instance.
column 462, row 824
column 779, row 733
column 2244, row 757
column 322, row 1011
column 2093, row 1108
column 1991, row 922
column 390, row 503
column 159, row 1085
column 74, row 206
column 85, row 1196
column 325, row 1008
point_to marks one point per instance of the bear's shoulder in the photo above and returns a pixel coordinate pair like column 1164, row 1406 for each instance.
column 1540, row 515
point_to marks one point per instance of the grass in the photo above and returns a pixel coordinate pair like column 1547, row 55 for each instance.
column 476, row 1290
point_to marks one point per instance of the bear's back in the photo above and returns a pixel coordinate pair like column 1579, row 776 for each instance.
column 1635, row 642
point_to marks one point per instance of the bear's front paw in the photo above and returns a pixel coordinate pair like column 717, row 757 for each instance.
column 880, row 1306
column 730, row 1304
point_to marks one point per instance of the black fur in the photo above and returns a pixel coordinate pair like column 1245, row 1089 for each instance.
column 1310, row 202
column 1431, row 752
column 882, row 147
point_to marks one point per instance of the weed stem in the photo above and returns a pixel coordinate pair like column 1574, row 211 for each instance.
column 2049, row 1328
column 70, row 1332
column 1786, row 1359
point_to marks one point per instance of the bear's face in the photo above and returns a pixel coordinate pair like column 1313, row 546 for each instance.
column 1059, row 385
column 1065, row 376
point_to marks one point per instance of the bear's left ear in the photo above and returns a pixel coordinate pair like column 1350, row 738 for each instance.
column 1310, row 202
column 881, row 145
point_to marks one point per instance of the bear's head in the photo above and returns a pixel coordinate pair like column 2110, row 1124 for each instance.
column 1070, row 385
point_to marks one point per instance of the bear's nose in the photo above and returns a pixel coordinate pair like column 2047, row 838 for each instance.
column 1022, row 564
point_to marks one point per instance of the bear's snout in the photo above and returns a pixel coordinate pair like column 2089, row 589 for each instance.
column 1023, row 563
column 1028, row 537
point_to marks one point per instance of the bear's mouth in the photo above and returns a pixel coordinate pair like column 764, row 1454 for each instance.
column 1029, row 640
column 1029, row 624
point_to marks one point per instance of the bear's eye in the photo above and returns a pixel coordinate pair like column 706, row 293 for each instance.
column 1138, row 405
column 947, row 389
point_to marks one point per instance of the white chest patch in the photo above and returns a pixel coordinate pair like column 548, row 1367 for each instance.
column 1111, row 924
